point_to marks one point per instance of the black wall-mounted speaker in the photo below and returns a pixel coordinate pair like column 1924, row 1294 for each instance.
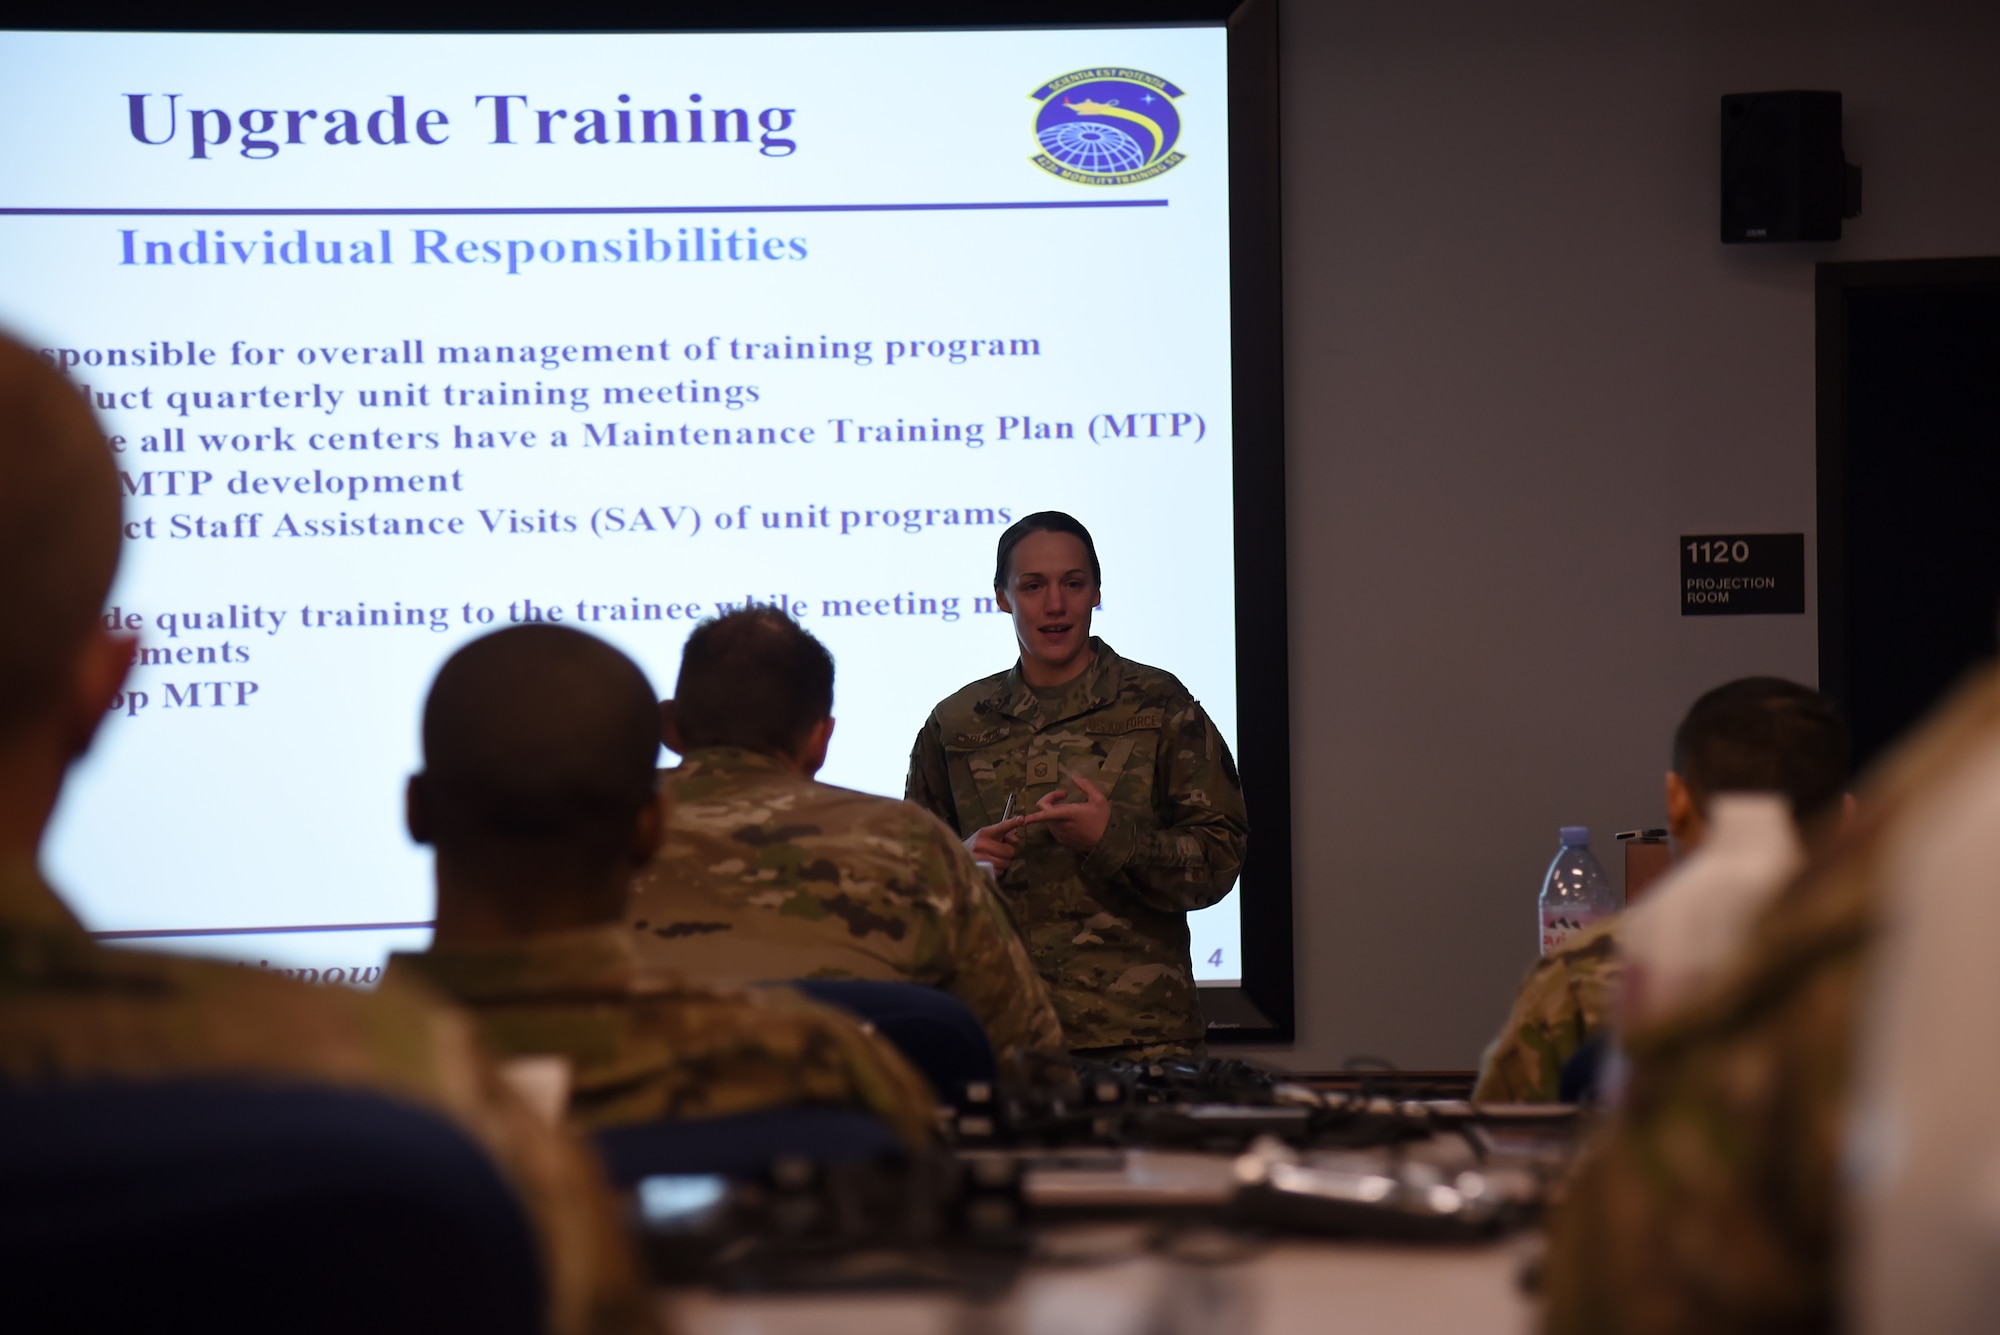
column 1784, row 174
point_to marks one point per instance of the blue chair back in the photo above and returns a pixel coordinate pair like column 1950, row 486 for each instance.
column 936, row 1031
column 231, row 1205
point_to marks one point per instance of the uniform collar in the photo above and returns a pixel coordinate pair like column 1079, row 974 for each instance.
column 724, row 760
column 1094, row 687
column 589, row 961
column 27, row 902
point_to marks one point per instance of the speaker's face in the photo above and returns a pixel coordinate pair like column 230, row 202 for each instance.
column 1050, row 592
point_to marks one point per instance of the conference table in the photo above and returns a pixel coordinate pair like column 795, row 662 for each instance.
column 1286, row 1288
column 1149, row 1270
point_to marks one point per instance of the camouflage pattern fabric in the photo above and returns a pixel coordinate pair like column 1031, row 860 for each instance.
column 1144, row 1052
column 1107, row 929
column 1712, row 1201
column 72, row 1008
column 1565, row 999
column 644, row 1046
column 765, row 874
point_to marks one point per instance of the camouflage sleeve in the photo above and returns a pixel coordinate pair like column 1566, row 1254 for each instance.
column 990, row 970
column 1185, row 854
column 676, row 1050
column 929, row 782
column 1713, row 1200
column 1565, row 999
column 1524, row 1062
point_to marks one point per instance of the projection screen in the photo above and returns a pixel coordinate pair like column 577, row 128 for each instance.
column 402, row 338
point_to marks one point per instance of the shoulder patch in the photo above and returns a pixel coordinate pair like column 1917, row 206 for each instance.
column 1151, row 718
column 971, row 705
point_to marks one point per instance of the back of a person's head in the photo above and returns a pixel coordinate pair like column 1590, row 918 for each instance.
column 539, row 735
column 1765, row 735
column 59, row 536
column 752, row 678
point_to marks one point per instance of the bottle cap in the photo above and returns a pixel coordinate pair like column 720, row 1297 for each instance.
column 1576, row 836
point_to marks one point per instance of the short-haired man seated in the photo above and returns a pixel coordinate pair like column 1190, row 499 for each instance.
column 539, row 796
column 766, row 874
column 73, row 1012
column 1753, row 735
column 1809, row 1147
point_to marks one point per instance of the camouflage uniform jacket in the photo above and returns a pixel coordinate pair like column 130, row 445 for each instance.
column 1712, row 1201
column 1108, row 929
column 765, row 874
column 1565, row 999
column 644, row 1046
column 72, row 1008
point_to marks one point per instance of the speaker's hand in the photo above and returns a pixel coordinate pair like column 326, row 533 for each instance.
column 1079, row 824
column 998, row 843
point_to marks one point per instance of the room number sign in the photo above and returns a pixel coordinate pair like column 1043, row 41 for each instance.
column 1747, row 574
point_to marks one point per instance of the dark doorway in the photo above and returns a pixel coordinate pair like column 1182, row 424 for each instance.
column 1909, row 485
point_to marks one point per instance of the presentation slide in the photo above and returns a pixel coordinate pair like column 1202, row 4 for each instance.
column 405, row 339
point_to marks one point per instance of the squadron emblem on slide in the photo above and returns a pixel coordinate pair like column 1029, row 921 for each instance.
column 1107, row 127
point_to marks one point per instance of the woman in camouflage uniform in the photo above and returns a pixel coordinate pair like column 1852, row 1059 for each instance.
column 1131, row 811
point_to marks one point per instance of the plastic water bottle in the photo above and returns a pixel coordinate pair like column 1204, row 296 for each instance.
column 1576, row 892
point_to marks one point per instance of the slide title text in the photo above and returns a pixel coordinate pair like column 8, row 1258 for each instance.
column 259, row 133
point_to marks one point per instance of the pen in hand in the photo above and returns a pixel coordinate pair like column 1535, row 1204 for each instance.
column 994, row 844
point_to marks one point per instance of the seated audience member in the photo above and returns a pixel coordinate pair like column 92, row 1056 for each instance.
column 1713, row 1200
column 766, row 874
column 71, row 1010
column 1754, row 735
column 538, row 795
column 1922, row 1138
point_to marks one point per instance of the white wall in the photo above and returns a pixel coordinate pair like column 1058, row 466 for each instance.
column 1519, row 365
